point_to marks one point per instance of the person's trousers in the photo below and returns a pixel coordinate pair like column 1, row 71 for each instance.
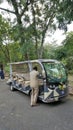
column 34, row 95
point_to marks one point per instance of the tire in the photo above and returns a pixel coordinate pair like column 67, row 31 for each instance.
column 30, row 93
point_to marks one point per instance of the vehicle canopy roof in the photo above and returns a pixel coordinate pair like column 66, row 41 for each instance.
column 37, row 60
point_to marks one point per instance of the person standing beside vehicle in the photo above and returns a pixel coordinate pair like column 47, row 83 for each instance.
column 1, row 72
column 34, row 84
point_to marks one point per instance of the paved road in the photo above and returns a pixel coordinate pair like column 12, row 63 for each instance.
column 16, row 113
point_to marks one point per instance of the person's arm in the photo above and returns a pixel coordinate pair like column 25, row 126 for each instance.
column 39, row 75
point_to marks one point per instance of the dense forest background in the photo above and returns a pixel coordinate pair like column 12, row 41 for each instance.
column 23, row 38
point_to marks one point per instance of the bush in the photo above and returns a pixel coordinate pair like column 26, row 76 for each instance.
column 7, row 69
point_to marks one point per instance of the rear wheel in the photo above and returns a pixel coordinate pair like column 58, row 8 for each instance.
column 30, row 93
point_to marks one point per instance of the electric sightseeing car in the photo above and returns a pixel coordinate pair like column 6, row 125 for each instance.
column 53, row 80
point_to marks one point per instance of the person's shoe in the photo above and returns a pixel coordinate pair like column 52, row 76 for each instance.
column 36, row 104
column 32, row 105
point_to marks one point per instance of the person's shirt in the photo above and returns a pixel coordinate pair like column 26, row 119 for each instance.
column 34, row 79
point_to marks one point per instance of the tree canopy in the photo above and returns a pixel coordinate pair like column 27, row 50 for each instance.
column 34, row 19
column 24, row 36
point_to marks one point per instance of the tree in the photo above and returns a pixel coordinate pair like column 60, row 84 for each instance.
column 9, row 50
column 68, row 47
column 65, row 15
column 60, row 53
column 68, row 44
column 49, row 51
column 5, row 37
column 65, row 52
column 38, row 17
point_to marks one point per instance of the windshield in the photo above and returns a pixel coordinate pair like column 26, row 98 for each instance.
column 55, row 72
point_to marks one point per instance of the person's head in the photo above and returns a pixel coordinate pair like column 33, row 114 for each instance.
column 35, row 68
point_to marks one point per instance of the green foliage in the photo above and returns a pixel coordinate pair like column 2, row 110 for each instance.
column 14, row 51
column 68, row 44
column 24, row 37
column 49, row 51
column 65, row 52
column 60, row 53
column 68, row 62
column 5, row 39
column 68, row 47
column 7, row 69
column 2, row 58
column 65, row 13
column 34, row 19
column 4, row 29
